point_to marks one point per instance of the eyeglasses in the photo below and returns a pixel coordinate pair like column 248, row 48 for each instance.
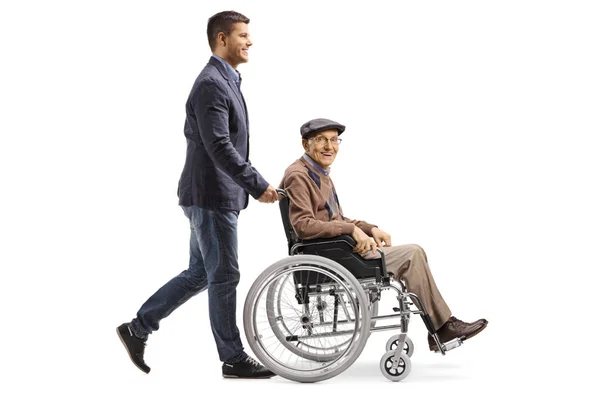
column 321, row 140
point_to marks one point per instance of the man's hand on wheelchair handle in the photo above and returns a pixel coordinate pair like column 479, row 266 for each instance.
column 269, row 196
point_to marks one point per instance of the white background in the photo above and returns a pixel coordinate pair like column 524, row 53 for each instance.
column 470, row 130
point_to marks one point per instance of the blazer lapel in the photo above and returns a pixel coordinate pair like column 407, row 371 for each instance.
column 245, row 108
column 238, row 94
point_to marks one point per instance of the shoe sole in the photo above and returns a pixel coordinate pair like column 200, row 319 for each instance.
column 435, row 348
column 129, row 354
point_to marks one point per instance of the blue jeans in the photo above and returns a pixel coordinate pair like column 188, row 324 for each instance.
column 213, row 266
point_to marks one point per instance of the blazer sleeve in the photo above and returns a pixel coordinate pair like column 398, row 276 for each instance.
column 302, row 215
column 212, row 113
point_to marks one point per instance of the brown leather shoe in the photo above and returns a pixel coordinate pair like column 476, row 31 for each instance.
column 455, row 328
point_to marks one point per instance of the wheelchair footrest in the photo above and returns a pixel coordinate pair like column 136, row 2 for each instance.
column 453, row 344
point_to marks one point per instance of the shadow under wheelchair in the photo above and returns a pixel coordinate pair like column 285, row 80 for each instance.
column 308, row 317
column 366, row 370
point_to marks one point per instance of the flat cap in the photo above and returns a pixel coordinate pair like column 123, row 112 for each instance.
column 318, row 125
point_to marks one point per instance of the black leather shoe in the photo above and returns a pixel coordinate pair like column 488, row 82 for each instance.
column 247, row 368
column 455, row 328
column 134, row 346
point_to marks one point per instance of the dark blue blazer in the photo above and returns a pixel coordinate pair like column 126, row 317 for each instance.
column 217, row 173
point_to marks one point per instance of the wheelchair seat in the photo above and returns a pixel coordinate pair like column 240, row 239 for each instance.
column 337, row 248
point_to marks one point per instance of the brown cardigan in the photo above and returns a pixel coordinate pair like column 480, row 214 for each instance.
column 309, row 193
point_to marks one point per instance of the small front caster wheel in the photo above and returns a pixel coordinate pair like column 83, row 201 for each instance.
column 398, row 372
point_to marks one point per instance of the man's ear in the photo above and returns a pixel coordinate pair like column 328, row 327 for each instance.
column 305, row 144
column 222, row 39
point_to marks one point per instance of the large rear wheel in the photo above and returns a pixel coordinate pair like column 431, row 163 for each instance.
column 307, row 318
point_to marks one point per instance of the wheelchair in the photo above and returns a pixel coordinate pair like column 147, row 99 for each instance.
column 308, row 316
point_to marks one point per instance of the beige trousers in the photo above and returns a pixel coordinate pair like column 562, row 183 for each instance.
column 409, row 263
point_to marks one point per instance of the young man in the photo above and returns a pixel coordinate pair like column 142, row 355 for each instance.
column 214, row 187
column 315, row 212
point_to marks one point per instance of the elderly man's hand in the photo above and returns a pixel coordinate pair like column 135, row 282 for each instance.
column 381, row 238
column 363, row 242
column 269, row 196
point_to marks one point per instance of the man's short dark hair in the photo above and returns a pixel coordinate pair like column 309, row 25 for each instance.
column 223, row 22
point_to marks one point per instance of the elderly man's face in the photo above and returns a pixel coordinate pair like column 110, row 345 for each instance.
column 322, row 147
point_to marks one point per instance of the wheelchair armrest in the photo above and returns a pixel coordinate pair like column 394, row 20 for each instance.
column 347, row 239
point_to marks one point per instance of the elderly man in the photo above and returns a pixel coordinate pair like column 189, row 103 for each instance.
column 315, row 212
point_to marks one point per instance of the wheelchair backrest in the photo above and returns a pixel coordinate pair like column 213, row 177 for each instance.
column 284, row 208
